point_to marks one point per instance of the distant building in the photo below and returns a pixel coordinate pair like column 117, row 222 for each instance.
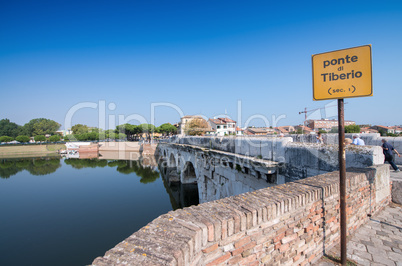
column 304, row 129
column 222, row 126
column 64, row 132
column 368, row 130
column 184, row 121
column 246, row 132
column 285, row 129
column 397, row 129
column 239, row 131
column 383, row 128
column 271, row 130
column 257, row 131
column 325, row 124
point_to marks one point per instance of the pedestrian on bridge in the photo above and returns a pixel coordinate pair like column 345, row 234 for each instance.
column 357, row 140
column 388, row 149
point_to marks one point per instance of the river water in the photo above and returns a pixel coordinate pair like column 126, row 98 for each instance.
column 56, row 211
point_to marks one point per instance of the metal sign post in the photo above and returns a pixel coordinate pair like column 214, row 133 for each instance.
column 342, row 178
column 342, row 74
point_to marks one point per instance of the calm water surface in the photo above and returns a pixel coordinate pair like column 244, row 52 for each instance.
column 68, row 212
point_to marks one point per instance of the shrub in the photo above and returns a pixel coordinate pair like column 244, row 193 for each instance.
column 352, row 129
column 6, row 139
column 54, row 138
column 40, row 138
column 22, row 138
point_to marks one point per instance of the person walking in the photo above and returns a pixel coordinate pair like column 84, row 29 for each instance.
column 357, row 140
column 389, row 157
column 319, row 139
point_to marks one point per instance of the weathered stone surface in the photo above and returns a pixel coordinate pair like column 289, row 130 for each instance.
column 397, row 191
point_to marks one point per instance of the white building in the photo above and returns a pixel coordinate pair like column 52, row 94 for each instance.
column 222, row 126
column 239, row 131
column 64, row 132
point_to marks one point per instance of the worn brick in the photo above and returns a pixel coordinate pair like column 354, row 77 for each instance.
column 289, row 231
column 266, row 259
column 288, row 239
column 315, row 218
column 277, row 245
column 258, row 248
column 235, row 260
column 296, row 258
column 250, row 245
column 242, row 242
column 247, row 260
column 309, row 227
column 237, row 251
column 247, row 253
column 210, row 248
column 279, row 237
column 232, row 239
column 211, row 233
column 219, row 260
column 253, row 263
column 284, row 247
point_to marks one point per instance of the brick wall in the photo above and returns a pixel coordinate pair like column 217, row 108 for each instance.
column 288, row 224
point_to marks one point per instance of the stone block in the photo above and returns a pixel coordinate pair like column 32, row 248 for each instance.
column 396, row 193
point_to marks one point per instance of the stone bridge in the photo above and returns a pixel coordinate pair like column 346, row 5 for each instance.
column 297, row 159
column 218, row 174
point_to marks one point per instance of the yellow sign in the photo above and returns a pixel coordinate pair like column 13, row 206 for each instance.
column 342, row 74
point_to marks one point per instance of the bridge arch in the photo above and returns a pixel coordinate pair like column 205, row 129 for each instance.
column 172, row 160
column 189, row 175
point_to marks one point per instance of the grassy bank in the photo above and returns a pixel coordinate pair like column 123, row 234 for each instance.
column 29, row 150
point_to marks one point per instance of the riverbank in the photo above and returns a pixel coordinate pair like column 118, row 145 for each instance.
column 126, row 146
column 30, row 150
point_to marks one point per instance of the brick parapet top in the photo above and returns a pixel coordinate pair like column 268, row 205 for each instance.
column 182, row 234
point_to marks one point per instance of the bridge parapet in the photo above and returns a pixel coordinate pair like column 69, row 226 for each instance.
column 300, row 159
column 288, row 224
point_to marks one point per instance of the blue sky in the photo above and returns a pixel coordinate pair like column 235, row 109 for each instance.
column 201, row 56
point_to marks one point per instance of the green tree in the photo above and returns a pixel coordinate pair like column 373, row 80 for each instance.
column 334, row 130
column 22, row 138
column 352, row 129
column 40, row 126
column 167, row 129
column 40, row 138
column 382, row 132
column 79, row 129
column 54, row 138
column 6, row 139
column 121, row 136
column 8, row 128
column 110, row 134
column 131, row 131
column 147, row 129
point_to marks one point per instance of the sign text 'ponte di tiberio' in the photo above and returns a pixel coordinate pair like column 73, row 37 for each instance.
column 342, row 74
